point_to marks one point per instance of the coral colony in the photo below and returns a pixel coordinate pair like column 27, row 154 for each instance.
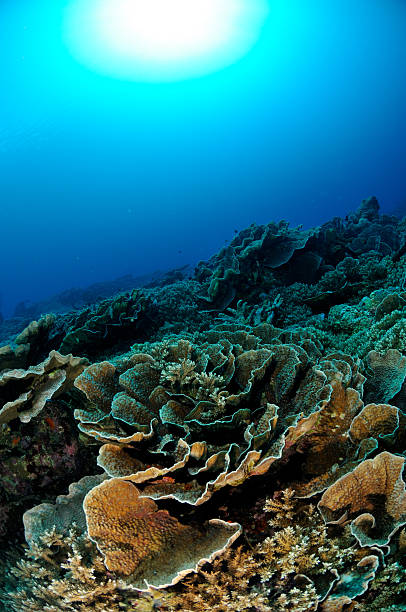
column 229, row 440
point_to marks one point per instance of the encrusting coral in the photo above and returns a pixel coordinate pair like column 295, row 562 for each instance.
column 270, row 401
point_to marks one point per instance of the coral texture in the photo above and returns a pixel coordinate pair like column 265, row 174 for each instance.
column 375, row 494
column 146, row 544
column 25, row 392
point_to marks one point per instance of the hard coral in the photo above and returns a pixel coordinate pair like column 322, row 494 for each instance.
column 219, row 405
column 145, row 544
column 108, row 324
column 386, row 373
column 28, row 345
column 248, row 260
column 373, row 495
column 66, row 572
column 25, row 392
column 67, row 510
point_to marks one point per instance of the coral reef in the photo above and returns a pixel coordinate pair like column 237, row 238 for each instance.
column 231, row 441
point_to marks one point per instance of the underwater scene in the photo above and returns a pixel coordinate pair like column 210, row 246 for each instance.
column 203, row 305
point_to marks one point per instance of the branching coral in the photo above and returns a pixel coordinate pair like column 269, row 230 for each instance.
column 387, row 592
column 301, row 545
column 227, row 585
column 65, row 572
column 294, row 568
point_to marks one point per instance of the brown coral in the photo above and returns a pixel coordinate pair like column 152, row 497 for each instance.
column 374, row 493
column 374, row 420
column 147, row 544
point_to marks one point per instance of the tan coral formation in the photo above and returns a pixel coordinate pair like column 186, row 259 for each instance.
column 374, row 420
column 373, row 495
column 265, row 577
column 145, row 544
column 210, row 414
column 23, row 393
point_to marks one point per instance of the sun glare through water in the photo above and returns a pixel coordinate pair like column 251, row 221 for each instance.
column 161, row 40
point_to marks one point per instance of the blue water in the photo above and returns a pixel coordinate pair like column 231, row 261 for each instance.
column 100, row 177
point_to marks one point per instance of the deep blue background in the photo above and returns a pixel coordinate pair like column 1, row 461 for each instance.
column 100, row 177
